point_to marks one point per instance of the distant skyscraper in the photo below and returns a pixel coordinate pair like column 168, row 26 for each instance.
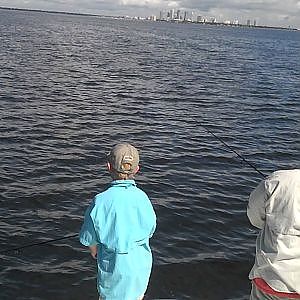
column 185, row 16
column 248, row 22
column 192, row 17
column 161, row 15
column 172, row 14
column 254, row 23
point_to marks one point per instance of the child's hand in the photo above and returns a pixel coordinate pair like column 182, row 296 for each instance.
column 93, row 250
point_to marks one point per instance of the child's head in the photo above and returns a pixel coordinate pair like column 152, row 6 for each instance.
column 123, row 161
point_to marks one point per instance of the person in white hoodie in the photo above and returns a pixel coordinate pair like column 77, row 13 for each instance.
column 274, row 208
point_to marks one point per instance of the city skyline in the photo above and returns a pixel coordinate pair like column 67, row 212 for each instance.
column 267, row 13
column 191, row 16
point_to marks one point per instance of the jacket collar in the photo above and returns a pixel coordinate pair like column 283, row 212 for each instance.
column 123, row 183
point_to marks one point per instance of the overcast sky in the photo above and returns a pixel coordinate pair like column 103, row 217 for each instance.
column 265, row 12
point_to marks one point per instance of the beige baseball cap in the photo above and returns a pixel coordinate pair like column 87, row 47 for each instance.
column 123, row 158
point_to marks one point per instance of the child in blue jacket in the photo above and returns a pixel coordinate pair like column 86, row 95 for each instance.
column 117, row 228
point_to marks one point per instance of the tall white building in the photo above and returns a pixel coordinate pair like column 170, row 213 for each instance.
column 192, row 16
column 172, row 14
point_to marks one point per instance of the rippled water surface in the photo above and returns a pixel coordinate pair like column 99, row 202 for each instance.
column 73, row 86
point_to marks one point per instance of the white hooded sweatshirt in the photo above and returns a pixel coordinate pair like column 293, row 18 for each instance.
column 274, row 207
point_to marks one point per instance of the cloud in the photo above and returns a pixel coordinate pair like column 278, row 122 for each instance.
column 150, row 3
column 272, row 12
column 154, row 3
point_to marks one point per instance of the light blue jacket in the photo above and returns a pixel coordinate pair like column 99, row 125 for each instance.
column 120, row 222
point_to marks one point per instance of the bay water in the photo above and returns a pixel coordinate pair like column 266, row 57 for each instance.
column 72, row 86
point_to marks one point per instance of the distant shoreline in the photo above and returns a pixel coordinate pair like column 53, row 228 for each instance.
column 134, row 18
column 232, row 25
column 51, row 11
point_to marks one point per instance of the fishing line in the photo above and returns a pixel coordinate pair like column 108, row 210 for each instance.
column 233, row 150
column 17, row 249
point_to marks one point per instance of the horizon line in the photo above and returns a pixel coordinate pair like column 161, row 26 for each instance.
column 139, row 18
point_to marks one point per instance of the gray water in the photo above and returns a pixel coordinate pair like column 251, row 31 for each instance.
column 73, row 86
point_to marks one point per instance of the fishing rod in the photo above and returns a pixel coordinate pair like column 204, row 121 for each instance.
column 233, row 150
column 18, row 249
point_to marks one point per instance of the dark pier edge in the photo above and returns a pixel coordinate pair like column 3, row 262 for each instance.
column 208, row 279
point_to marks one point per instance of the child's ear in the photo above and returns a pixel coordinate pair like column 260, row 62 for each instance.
column 108, row 166
column 137, row 169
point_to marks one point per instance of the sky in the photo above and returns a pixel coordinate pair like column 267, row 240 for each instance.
column 282, row 13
